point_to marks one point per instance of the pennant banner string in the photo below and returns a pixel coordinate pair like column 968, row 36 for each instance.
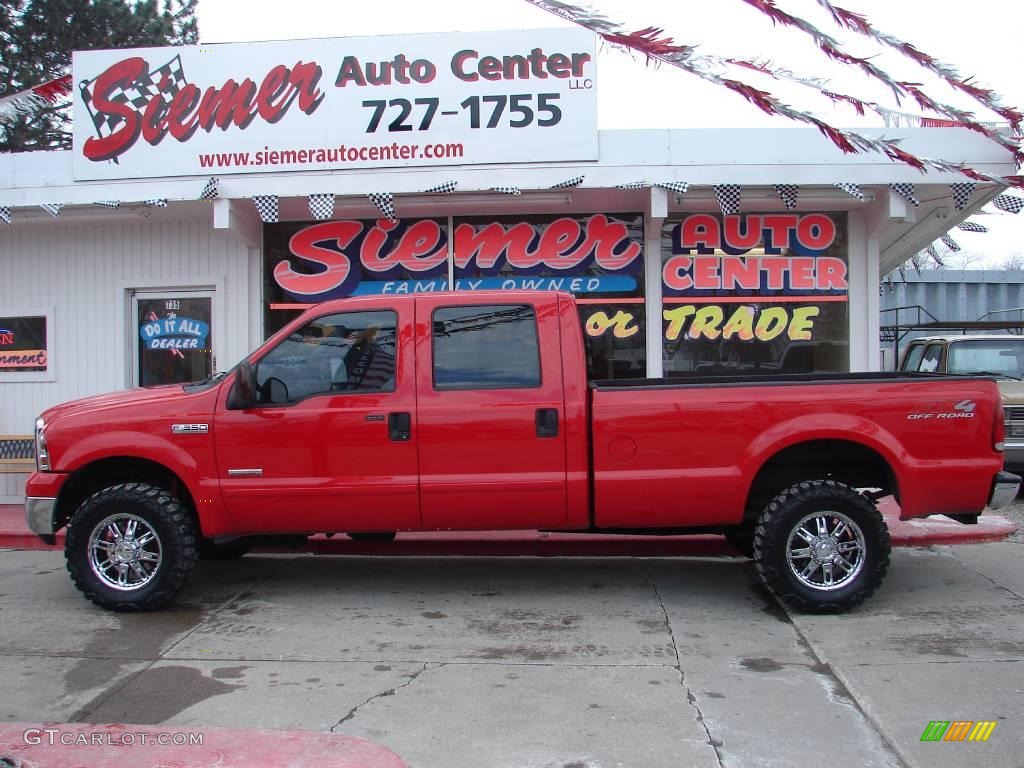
column 652, row 43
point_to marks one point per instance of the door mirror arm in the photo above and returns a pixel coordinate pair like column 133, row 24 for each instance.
column 243, row 391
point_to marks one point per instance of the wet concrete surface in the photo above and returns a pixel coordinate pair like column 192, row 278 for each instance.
column 545, row 663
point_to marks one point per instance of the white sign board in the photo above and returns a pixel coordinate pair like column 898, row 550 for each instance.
column 335, row 104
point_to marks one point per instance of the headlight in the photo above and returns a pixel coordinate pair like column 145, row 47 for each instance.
column 42, row 455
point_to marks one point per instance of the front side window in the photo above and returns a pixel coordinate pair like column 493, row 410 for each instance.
column 930, row 361
column 486, row 347
column 335, row 354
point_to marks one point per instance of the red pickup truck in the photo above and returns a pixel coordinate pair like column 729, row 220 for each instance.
column 471, row 411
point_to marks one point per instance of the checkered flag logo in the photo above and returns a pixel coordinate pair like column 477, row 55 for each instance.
column 788, row 194
column 853, row 190
column 906, row 191
column 935, row 255
column 1008, row 203
column 267, row 208
column 5, row 215
column 52, row 208
column 632, row 185
column 507, row 190
column 679, row 187
column 961, row 193
column 445, row 188
column 728, row 198
column 569, row 183
column 212, row 189
column 156, row 202
column 167, row 79
column 970, row 226
column 385, row 203
column 950, row 243
column 321, row 207
column 109, row 203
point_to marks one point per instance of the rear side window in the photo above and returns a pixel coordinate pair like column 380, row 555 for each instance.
column 486, row 347
column 930, row 360
column 913, row 358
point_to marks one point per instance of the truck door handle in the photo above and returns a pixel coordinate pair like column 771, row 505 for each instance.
column 399, row 427
column 547, row 422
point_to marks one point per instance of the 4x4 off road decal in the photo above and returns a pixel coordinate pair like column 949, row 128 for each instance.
column 961, row 410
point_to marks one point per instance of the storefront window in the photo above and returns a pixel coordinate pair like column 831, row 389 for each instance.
column 597, row 257
column 755, row 293
column 23, row 344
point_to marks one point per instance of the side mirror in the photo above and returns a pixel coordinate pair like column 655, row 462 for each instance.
column 243, row 392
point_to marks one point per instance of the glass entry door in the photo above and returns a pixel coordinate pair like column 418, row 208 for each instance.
column 172, row 337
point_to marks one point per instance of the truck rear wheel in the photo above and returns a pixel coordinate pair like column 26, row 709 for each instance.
column 131, row 547
column 821, row 547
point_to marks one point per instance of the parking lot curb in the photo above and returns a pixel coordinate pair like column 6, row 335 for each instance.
column 71, row 745
column 926, row 532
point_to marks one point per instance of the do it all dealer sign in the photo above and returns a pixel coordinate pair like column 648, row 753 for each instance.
column 335, row 104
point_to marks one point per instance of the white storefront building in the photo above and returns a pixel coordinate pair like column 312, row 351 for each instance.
column 303, row 165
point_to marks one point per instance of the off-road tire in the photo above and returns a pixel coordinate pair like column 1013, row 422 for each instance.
column 173, row 523
column 779, row 520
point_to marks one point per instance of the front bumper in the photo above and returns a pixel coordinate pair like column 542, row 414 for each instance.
column 1013, row 457
column 1004, row 490
column 39, row 513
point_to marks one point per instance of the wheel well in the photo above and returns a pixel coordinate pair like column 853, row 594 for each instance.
column 119, row 469
column 846, row 462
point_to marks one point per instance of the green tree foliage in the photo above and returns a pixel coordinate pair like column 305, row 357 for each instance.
column 38, row 36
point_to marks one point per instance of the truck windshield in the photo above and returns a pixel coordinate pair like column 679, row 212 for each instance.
column 998, row 356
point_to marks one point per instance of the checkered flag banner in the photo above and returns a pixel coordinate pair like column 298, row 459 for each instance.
column 916, row 261
column 385, row 203
column 212, row 189
column 321, row 206
column 903, row 274
column 166, row 80
column 679, row 187
column 5, row 215
column 156, row 202
column 853, row 190
column 507, row 190
column 950, row 243
column 445, row 188
column 569, row 183
column 52, row 208
column 267, row 208
column 962, row 192
column 788, row 194
column 906, row 191
column 1008, row 203
column 728, row 198
column 970, row 226
column 109, row 203
column 931, row 251
column 632, row 185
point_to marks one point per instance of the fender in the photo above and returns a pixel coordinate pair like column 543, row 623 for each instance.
column 824, row 426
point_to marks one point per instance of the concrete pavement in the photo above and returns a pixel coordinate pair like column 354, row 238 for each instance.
column 538, row 662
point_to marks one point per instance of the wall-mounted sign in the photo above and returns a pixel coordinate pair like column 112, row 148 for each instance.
column 356, row 102
column 23, row 344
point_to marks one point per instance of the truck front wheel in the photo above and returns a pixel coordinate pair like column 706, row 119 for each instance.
column 821, row 547
column 131, row 547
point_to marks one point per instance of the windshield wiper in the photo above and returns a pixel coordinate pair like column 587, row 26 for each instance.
column 991, row 373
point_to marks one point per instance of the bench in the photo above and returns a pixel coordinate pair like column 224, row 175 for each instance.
column 17, row 454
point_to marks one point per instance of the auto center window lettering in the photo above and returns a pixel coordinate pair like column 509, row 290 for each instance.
column 348, row 352
column 23, row 346
column 597, row 257
column 486, row 347
column 755, row 292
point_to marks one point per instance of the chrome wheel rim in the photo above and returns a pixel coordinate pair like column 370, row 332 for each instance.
column 825, row 551
column 125, row 552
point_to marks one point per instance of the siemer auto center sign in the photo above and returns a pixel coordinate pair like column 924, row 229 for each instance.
column 356, row 102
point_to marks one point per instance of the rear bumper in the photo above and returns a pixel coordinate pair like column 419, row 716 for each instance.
column 1004, row 490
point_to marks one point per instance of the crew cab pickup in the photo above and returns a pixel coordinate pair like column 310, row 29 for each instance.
column 472, row 411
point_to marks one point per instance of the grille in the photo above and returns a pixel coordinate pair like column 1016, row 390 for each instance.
column 1014, row 422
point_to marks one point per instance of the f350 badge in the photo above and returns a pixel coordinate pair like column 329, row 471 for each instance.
column 937, row 410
